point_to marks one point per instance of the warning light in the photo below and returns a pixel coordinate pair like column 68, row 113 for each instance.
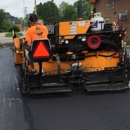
column 41, row 51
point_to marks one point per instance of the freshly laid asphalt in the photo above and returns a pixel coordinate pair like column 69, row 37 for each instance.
column 81, row 111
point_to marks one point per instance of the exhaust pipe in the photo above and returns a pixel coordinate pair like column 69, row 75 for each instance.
column 79, row 10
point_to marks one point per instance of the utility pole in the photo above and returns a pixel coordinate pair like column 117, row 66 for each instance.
column 35, row 7
column 24, row 15
column 26, row 24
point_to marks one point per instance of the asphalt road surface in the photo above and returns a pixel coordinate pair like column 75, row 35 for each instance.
column 82, row 111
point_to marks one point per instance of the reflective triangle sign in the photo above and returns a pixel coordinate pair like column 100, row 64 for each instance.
column 41, row 51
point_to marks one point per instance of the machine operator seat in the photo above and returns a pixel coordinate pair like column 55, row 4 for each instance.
column 40, row 51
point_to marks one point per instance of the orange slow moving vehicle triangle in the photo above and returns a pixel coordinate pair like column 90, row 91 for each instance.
column 41, row 51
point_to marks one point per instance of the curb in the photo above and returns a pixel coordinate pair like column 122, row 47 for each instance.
column 4, row 45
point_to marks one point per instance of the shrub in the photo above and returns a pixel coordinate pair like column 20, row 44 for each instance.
column 1, row 30
column 16, row 29
column 19, row 34
column 9, row 34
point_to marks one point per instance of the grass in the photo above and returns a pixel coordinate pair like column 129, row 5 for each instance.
column 9, row 34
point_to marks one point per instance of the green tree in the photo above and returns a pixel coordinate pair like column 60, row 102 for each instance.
column 2, row 19
column 6, row 25
column 69, row 13
column 40, row 10
column 16, row 29
column 86, row 11
column 62, row 8
column 48, row 12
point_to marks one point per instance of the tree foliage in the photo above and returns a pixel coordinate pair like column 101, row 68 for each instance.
column 48, row 12
column 62, row 8
column 2, row 19
column 40, row 10
column 69, row 13
column 86, row 13
column 6, row 25
column 16, row 29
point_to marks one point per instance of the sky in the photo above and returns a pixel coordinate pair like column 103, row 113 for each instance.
column 19, row 8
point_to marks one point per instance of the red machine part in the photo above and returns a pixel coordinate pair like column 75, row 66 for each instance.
column 94, row 41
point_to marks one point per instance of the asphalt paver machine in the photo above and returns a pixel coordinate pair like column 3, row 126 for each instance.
column 77, row 55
